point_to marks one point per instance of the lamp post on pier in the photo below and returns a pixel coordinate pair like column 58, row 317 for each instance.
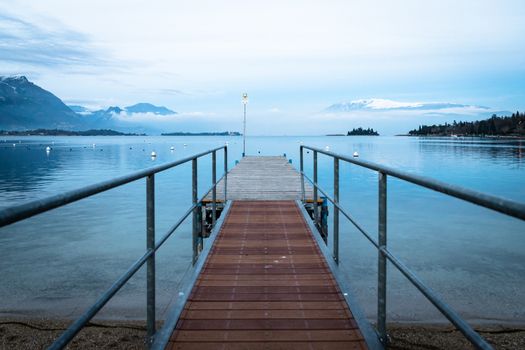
column 244, row 102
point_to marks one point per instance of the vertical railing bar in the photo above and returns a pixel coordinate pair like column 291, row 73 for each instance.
column 214, row 191
column 381, row 269
column 225, row 174
column 336, row 210
column 195, row 235
column 302, row 171
column 316, row 210
column 150, row 243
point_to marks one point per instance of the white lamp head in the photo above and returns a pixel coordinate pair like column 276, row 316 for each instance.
column 245, row 98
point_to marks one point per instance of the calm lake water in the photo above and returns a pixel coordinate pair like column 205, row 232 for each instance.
column 58, row 263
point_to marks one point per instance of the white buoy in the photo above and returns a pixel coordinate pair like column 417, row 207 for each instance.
column 48, row 149
column 185, row 145
column 14, row 144
column 94, row 145
column 153, row 154
column 327, row 148
column 172, row 148
column 356, row 154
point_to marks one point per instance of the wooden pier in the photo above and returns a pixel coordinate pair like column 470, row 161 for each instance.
column 266, row 285
column 263, row 178
column 265, row 282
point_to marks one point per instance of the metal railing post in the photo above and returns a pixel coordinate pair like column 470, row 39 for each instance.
column 302, row 170
column 195, row 233
column 214, row 191
column 225, row 173
column 316, row 210
column 336, row 210
column 381, row 268
column 150, row 243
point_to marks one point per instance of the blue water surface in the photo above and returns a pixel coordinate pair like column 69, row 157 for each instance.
column 59, row 262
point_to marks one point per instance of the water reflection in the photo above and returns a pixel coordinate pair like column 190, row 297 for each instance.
column 504, row 152
column 63, row 259
column 26, row 169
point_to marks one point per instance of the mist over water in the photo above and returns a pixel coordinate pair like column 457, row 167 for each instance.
column 58, row 263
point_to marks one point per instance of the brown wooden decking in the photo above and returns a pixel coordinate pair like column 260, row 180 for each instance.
column 263, row 178
column 266, row 285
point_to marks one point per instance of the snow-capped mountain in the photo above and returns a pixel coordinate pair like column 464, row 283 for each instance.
column 149, row 108
column 138, row 108
column 384, row 104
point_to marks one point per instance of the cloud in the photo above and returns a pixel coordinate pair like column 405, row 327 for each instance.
column 379, row 104
column 395, row 117
column 92, row 104
column 197, row 114
column 168, row 91
column 155, row 118
column 28, row 44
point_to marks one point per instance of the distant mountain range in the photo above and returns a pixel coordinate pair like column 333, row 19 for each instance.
column 149, row 108
column 383, row 104
column 26, row 106
column 136, row 108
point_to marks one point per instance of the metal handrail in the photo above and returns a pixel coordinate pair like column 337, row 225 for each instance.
column 502, row 205
column 498, row 204
column 24, row 211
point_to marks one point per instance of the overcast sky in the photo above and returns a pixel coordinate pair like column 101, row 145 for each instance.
column 294, row 58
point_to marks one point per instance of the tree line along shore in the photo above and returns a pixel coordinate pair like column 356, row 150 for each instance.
column 509, row 126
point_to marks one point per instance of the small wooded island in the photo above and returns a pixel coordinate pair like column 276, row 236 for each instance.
column 513, row 126
column 362, row 132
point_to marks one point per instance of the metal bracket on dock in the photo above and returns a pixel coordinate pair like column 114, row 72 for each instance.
column 207, row 214
column 321, row 222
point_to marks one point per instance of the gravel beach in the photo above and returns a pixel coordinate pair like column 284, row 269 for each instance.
column 39, row 334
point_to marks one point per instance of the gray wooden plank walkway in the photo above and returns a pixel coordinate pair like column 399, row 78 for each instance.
column 263, row 178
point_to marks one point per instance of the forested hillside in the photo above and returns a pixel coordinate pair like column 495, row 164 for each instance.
column 513, row 125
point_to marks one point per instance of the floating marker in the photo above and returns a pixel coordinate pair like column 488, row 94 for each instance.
column 94, row 145
column 48, row 149
column 327, row 148
column 172, row 148
column 356, row 154
column 14, row 144
column 153, row 154
column 185, row 145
